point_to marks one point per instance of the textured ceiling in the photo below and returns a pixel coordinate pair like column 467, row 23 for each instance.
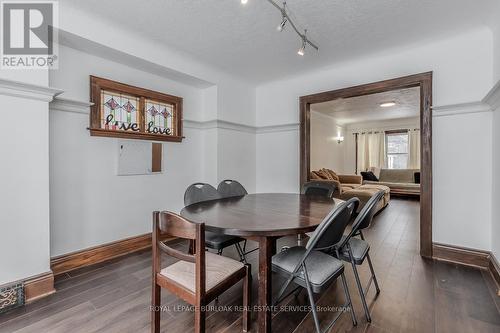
column 367, row 108
column 242, row 39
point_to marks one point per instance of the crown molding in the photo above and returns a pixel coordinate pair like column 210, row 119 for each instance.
column 493, row 97
column 28, row 90
column 70, row 105
column 456, row 109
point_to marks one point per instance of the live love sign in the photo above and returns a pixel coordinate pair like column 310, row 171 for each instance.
column 125, row 111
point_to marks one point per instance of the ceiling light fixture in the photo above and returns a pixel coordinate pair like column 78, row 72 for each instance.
column 302, row 49
column 285, row 17
column 387, row 104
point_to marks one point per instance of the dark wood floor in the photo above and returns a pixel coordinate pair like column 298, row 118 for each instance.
column 417, row 295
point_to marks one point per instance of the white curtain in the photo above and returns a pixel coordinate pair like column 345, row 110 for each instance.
column 414, row 149
column 371, row 150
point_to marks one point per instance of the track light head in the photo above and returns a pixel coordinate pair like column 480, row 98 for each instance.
column 302, row 49
column 282, row 24
column 244, row 2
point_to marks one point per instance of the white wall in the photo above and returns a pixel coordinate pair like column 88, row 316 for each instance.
column 495, row 221
column 91, row 205
column 24, row 193
column 462, row 177
column 462, row 69
column 382, row 125
column 326, row 152
column 495, row 230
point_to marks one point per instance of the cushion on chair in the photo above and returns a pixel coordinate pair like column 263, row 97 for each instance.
column 321, row 267
column 359, row 250
column 217, row 241
column 218, row 268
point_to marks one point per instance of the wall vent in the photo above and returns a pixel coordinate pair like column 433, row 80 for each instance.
column 11, row 297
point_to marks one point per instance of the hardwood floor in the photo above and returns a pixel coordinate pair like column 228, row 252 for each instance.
column 417, row 295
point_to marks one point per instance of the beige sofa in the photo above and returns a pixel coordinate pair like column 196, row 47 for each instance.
column 349, row 186
column 400, row 181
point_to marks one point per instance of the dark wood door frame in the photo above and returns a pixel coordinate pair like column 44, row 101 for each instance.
column 424, row 81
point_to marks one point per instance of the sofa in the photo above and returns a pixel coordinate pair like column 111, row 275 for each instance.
column 400, row 181
column 349, row 186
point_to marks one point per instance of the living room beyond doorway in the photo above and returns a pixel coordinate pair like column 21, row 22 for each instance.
column 371, row 138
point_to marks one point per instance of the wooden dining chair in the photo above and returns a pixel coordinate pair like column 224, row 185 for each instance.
column 196, row 278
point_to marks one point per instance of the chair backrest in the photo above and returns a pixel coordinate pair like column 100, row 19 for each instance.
column 330, row 231
column 231, row 188
column 319, row 189
column 199, row 192
column 167, row 224
column 365, row 216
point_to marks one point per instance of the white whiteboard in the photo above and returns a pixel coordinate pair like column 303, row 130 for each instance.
column 134, row 157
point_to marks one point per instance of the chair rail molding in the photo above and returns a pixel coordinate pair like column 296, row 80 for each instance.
column 28, row 90
column 70, row 105
column 493, row 97
column 456, row 109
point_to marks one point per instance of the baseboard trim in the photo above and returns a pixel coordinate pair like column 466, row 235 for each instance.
column 494, row 268
column 38, row 287
column 71, row 261
column 469, row 257
column 461, row 255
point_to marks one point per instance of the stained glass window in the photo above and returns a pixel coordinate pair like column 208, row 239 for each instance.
column 124, row 111
column 119, row 111
column 159, row 118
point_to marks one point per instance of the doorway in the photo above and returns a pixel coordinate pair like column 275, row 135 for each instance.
column 421, row 81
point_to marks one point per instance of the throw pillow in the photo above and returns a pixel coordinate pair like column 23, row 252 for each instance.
column 368, row 175
column 322, row 174
column 314, row 175
column 416, row 177
column 332, row 174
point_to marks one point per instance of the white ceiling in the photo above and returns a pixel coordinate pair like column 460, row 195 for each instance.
column 242, row 39
column 367, row 108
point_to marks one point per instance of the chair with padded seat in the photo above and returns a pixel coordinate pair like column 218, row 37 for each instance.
column 311, row 268
column 356, row 250
column 231, row 188
column 317, row 188
column 199, row 192
column 197, row 278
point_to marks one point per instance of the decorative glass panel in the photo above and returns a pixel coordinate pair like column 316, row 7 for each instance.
column 160, row 118
column 119, row 111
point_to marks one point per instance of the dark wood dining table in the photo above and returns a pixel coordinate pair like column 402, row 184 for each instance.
column 262, row 217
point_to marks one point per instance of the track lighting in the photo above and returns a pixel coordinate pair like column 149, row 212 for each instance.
column 282, row 24
column 302, row 49
column 286, row 18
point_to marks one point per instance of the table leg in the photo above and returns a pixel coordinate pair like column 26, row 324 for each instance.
column 267, row 247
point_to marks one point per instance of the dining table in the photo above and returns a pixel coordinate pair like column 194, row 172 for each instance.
column 262, row 217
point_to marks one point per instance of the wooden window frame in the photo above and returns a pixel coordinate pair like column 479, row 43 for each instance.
column 98, row 84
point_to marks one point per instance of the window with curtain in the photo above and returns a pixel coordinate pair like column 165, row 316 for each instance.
column 397, row 150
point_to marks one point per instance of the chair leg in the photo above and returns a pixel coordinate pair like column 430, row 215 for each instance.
column 373, row 273
column 155, row 309
column 360, row 289
column 311, row 300
column 241, row 253
column 349, row 301
column 199, row 320
column 283, row 289
column 247, row 285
